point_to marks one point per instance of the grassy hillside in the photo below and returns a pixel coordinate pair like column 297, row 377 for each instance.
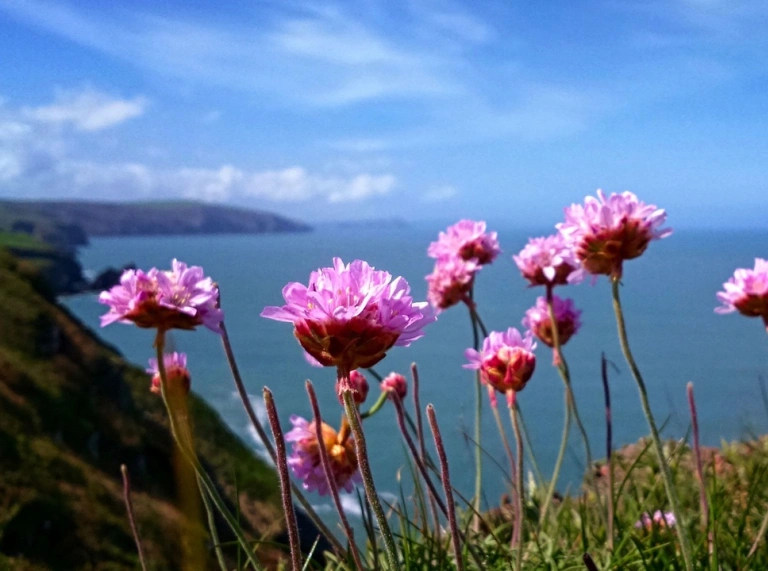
column 71, row 411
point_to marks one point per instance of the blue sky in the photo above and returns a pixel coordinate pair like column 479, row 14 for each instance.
column 378, row 108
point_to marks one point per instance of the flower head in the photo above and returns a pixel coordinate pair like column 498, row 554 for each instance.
column 359, row 386
column 606, row 232
column 506, row 361
column 468, row 240
column 566, row 316
column 181, row 298
column 305, row 458
column 450, row 281
column 659, row 519
column 548, row 261
column 395, row 383
column 747, row 292
column 176, row 372
column 349, row 316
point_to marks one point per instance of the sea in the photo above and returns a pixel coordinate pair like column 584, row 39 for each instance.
column 668, row 296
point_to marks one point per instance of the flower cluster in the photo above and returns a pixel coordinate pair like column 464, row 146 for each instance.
column 181, row 298
column 549, row 261
column 604, row 232
column 537, row 319
column 176, row 372
column 659, row 519
column 747, row 292
column 506, row 361
column 460, row 252
column 349, row 316
column 305, row 458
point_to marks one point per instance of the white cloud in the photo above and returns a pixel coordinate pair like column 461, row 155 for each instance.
column 36, row 161
column 86, row 110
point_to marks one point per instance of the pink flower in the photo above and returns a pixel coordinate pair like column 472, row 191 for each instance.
column 548, row 261
column 359, row 385
column 305, row 459
column 450, row 281
column 349, row 316
column 659, row 519
column 468, row 240
column 566, row 315
column 747, row 292
column 506, row 361
column 181, row 298
column 395, row 383
column 176, row 372
column 606, row 232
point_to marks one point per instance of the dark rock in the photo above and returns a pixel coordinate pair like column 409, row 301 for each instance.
column 109, row 277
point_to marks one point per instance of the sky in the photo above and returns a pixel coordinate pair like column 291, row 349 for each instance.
column 330, row 111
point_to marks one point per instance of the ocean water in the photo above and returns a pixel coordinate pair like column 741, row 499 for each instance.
column 668, row 295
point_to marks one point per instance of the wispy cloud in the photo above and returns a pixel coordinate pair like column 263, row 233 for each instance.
column 86, row 110
column 37, row 161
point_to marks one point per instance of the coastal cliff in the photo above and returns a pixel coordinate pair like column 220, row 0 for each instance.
column 71, row 222
column 72, row 410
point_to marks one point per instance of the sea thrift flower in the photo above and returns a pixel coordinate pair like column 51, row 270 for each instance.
column 747, row 292
column 450, row 281
column 548, row 261
column 395, row 383
column 181, row 298
column 566, row 315
column 659, row 519
column 359, row 385
column 305, row 458
column 468, row 240
column 349, row 316
column 506, row 361
column 176, row 373
column 606, row 232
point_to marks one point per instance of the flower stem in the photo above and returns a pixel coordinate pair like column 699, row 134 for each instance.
column 514, row 414
column 182, row 436
column 663, row 464
column 558, row 463
column 306, row 506
column 608, row 447
column 704, row 504
column 446, row 478
column 131, row 518
column 285, row 480
column 325, row 461
column 412, row 447
column 376, row 406
column 365, row 471
column 477, row 324
column 422, row 443
column 212, row 525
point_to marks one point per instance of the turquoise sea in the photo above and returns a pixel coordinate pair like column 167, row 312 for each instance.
column 668, row 294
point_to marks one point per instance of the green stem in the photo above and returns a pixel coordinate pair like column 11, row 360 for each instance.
column 191, row 457
column 365, row 471
column 477, row 324
column 558, row 463
column 212, row 526
column 514, row 415
column 376, row 406
column 529, row 445
column 665, row 472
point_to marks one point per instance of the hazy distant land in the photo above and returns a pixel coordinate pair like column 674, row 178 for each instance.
column 48, row 233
